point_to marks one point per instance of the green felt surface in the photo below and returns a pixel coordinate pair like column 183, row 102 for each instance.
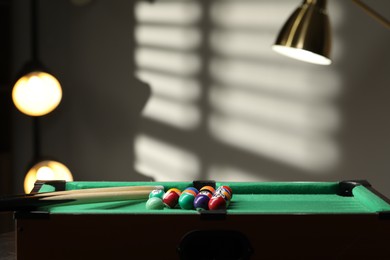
column 248, row 198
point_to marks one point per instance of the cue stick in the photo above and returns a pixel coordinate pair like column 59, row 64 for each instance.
column 79, row 198
column 98, row 190
column 32, row 201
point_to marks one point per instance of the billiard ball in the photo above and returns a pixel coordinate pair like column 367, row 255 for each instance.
column 207, row 189
column 193, row 189
column 228, row 189
column 174, row 190
column 226, row 195
column 154, row 203
column 171, row 197
column 186, row 200
column 201, row 201
column 189, row 192
column 217, row 202
column 157, row 194
column 225, row 191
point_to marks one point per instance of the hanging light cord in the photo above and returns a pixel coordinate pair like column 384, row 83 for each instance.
column 34, row 30
column 34, row 55
column 36, row 139
column 373, row 13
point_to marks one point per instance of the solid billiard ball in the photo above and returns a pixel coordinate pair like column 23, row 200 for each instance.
column 154, row 203
column 186, row 200
column 157, row 194
column 201, row 201
column 170, row 199
column 217, row 202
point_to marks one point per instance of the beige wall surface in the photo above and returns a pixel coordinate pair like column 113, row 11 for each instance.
column 183, row 90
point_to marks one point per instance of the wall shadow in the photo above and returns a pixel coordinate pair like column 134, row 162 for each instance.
column 255, row 116
column 93, row 130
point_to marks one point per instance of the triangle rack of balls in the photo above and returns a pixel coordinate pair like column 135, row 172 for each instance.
column 206, row 198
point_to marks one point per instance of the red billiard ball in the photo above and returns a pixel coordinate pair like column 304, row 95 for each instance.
column 171, row 198
column 217, row 202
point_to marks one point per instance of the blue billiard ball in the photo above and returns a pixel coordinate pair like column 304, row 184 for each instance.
column 193, row 189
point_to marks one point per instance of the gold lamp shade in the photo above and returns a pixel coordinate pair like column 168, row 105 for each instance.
column 46, row 170
column 306, row 34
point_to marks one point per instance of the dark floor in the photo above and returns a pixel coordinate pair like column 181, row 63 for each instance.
column 7, row 246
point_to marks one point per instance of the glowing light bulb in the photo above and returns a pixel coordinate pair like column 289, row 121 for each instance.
column 37, row 93
column 45, row 173
column 302, row 55
column 46, row 170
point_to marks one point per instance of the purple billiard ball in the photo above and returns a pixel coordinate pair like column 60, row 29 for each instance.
column 201, row 201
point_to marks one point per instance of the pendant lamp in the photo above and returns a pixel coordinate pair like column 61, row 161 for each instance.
column 43, row 168
column 36, row 92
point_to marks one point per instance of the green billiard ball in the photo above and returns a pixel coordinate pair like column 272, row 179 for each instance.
column 186, row 200
column 157, row 194
column 154, row 203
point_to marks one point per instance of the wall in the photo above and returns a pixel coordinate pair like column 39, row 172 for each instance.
column 5, row 111
column 219, row 103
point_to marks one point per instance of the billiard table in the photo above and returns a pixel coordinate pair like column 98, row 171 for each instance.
column 265, row 220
